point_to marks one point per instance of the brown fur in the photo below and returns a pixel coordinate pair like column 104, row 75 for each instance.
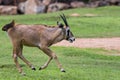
column 40, row 36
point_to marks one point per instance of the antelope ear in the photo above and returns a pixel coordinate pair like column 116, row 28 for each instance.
column 60, row 25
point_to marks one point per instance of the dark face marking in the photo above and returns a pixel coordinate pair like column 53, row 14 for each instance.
column 69, row 35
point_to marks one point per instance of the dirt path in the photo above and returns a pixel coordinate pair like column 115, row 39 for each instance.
column 107, row 43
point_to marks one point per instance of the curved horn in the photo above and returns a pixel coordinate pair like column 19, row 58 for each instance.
column 64, row 19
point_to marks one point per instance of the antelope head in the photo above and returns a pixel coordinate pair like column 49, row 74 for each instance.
column 68, row 34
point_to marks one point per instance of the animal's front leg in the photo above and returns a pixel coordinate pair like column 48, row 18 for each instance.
column 52, row 55
column 57, row 62
column 46, row 64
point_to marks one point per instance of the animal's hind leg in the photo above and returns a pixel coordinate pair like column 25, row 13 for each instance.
column 15, row 57
column 23, row 58
column 26, row 61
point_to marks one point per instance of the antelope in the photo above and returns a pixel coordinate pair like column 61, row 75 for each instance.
column 40, row 36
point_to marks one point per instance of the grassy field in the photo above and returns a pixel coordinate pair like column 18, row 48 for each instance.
column 105, row 24
column 80, row 64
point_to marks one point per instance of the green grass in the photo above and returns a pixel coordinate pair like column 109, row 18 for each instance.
column 80, row 64
column 105, row 24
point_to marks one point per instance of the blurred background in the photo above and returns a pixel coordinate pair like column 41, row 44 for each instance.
column 12, row 7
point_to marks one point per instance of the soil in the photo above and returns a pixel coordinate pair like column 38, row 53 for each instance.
column 107, row 43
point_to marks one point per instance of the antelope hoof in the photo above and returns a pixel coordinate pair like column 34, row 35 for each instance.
column 40, row 68
column 34, row 69
column 62, row 70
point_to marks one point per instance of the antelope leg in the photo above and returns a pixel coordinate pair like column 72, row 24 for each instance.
column 52, row 55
